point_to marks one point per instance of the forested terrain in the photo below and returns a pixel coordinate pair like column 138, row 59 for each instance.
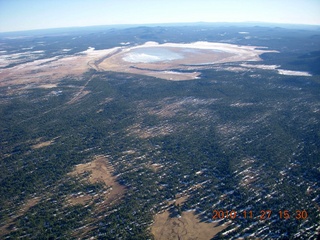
column 246, row 140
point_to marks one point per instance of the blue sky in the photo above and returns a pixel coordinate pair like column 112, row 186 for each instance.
column 18, row 15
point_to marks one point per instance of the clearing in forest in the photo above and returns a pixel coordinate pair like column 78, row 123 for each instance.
column 185, row 227
column 99, row 171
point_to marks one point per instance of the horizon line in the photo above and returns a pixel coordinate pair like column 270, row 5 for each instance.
column 121, row 25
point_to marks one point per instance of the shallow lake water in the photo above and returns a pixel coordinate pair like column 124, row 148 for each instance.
column 151, row 54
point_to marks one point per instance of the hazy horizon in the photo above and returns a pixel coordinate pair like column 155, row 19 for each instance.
column 248, row 23
column 18, row 15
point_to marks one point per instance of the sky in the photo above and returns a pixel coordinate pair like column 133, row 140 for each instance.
column 17, row 15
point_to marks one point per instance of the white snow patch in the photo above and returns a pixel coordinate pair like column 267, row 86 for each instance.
column 260, row 66
column 89, row 50
column 171, row 72
column 226, row 47
column 294, row 73
column 141, row 57
column 39, row 51
column 239, row 104
column 275, row 67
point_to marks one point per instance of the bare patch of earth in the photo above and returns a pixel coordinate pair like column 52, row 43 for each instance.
column 41, row 144
column 100, row 171
column 185, row 227
column 48, row 72
column 47, row 86
column 188, row 226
